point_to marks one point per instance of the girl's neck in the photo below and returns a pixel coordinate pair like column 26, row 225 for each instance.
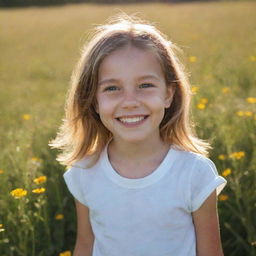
column 137, row 152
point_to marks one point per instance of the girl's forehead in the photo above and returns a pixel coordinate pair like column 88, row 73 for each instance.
column 130, row 51
column 130, row 60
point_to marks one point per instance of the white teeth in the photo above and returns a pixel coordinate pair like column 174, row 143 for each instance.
column 131, row 120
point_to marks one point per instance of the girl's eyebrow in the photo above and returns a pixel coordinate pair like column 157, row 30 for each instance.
column 112, row 80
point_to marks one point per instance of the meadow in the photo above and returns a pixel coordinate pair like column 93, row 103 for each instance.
column 39, row 48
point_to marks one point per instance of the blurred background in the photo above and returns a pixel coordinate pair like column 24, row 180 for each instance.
column 40, row 42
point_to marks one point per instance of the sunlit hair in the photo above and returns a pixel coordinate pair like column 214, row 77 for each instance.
column 82, row 132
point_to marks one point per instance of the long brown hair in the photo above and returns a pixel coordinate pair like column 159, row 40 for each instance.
column 82, row 132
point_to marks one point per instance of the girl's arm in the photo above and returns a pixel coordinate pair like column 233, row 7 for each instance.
column 85, row 236
column 206, row 222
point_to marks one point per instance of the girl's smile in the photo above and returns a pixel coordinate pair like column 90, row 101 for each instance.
column 132, row 121
column 132, row 94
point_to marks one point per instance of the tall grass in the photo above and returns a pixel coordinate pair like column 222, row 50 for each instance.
column 39, row 47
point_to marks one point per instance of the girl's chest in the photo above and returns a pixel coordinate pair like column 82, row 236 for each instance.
column 163, row 207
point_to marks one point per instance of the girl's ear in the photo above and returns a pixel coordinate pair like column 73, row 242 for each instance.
column 170, row 90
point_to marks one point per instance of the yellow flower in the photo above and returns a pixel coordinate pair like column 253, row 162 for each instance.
column 194, row 89
column 226, row 172
column 222, row 157
column 237, row 155
column 40, row 179
column 36, row 159
column 225, row 90
column 240, row 154
column 240, row 113
column 2, row 228
column 38, row 190
column 201, row 106
column 26, row 116
column 66, row 253
column 223, row 197
column 59, row 217
column 251, row 100
column 18, row 193
column 192, row 59
column 253, row 58
column 204, row 101
column 248, row 113
column 1, row 171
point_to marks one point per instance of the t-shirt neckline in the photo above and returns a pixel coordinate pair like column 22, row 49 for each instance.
column 153, row 177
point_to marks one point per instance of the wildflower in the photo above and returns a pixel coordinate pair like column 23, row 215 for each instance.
column 240, row 113
column 1, row 171
column 251, row 100
column 225, row 90
column 248, row 113
column 2, row 228
column 222, row 157
column 192, row 59
column 204, row 101
column 40, row 180
column 226, row 172
column 26, row 116
column 252, row 58
column 223, row 197
column 18, row 193
column 36, row 161
column 201, row 106
column 237, row 155
column 38, row 190
column 194, row 89
column 59, row 217
column 66, row 253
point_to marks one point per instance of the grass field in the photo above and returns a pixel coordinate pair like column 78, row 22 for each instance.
column 39, row 47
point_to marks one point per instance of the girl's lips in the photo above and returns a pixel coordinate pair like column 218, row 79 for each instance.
column 132, row 121
column 131, row 116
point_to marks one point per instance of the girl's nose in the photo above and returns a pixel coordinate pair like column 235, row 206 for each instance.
column 130, row 100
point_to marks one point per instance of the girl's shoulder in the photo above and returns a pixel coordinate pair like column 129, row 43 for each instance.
column 82, row 163
column 88, row 162
column 78, row 171
column 191, row 157
column 196, row 164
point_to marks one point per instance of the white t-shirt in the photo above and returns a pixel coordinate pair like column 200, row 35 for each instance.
column 149, row 216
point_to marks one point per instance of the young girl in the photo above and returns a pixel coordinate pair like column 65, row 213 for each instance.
column 141, row 179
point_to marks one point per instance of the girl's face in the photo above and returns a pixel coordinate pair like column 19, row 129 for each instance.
column 132, row 95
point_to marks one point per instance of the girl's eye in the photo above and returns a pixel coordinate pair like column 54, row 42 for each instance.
column 111, row 88
column 146, row 85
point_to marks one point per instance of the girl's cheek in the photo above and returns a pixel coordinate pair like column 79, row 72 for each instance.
column 150, row 96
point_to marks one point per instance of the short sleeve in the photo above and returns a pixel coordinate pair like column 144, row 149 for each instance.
column 73, row 178
column 204, row 180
